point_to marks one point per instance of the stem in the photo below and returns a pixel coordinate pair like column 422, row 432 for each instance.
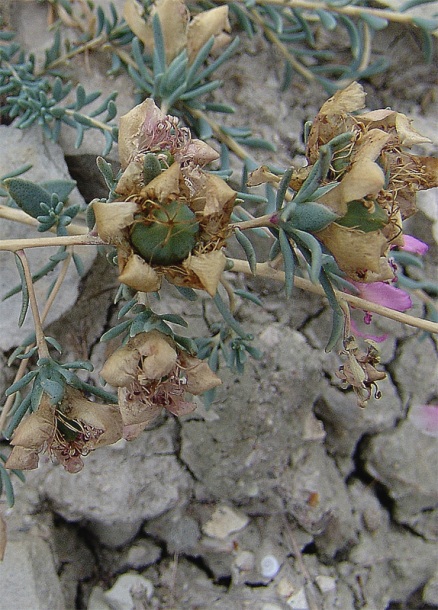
column 219, row 133
column 19, row 216
column 265, row 270
column 43, row 350
column 300, row 68
column 261, row 221
column 24, row 363
column 352, row 11
column 14, row 245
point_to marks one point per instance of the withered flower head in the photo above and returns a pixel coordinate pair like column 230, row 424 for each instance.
column 153, row 373
column 173, row 219
column 67, row 431
column 179, row 32
column 359, row 372
column 377, row 180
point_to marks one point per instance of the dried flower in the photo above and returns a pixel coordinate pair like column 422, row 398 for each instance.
column 152, row 373
column 179, row 32
column 67, row 431
column 360, row 371
column 174, row 221
column 377, row 182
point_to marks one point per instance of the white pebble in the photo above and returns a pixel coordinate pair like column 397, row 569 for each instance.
column 269, row 566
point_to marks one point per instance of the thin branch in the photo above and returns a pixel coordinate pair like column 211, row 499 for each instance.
column 220, row 134
column 13, row 245
column 265, row 270
column 19, row 216
column 260, row 221
column 43, row 350
column 350, row 10
column 270, row 35
column 24, row 363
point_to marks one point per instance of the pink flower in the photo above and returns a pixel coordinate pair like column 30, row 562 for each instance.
column 414, row 245
column 384, row 294
column 425, row 418
column 381, row 294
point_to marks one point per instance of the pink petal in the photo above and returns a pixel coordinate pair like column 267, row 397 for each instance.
column 412, row 244
column 384, row 294
column 425, row 418
column 359, row 333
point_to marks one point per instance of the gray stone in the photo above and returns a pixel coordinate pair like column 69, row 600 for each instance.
column 389, row 566
column 120, row 488
column 130, row 591
column 404, row 460
column 18, row 148
column 430, row 591
column 141, row 554
column 28, row 577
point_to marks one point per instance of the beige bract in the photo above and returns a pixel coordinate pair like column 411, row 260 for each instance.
column 67, row 431
column 172, row 222
column 179, row 31
column 375, row 170
column 152, row 373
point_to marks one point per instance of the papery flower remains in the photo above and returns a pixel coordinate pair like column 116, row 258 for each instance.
column 377, row 180
column 173, row 217
column 152, row 374
column 67, row 431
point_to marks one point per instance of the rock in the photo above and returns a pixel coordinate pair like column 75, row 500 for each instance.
column 128, row 592
column 144, row 478
column 141, row 554
column 404, row 460
column 430, row 591
column 179, row 531
column 389, row 566
column 298, row 601
column 18, row 148
column 326, row 584
column 28, row 577
column 223, row 522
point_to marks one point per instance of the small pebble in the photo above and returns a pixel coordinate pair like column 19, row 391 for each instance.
column 269, row 566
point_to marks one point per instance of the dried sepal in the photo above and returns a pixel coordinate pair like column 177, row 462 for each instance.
column 360, row 372
column 208, row 268
column 150, row 352
column 113, row 218
column 200, row 377
column 153, row 374
column 165, row 187
column 138, row 274
column 213, row 22
column 362, row 256
column 22, row 458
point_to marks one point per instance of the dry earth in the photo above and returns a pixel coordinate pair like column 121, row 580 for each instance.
column 284, row 495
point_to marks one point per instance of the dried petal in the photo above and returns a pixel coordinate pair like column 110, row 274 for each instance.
column 135, row 409
column 200, row 377
column 22, row 458
column 103, row 419
column 166, row 186
column 213, row 22
column 360, row 255
column 139, row 275
column 208, row 268
column 130, row 128
column 112, row 218
column 36, row 429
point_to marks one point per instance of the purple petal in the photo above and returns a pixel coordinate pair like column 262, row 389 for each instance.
column 414, row 245
column 358, row 333
column 425, row 418
column 384, row 294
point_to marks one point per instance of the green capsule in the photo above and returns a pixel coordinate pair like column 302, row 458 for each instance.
column 170, row 239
